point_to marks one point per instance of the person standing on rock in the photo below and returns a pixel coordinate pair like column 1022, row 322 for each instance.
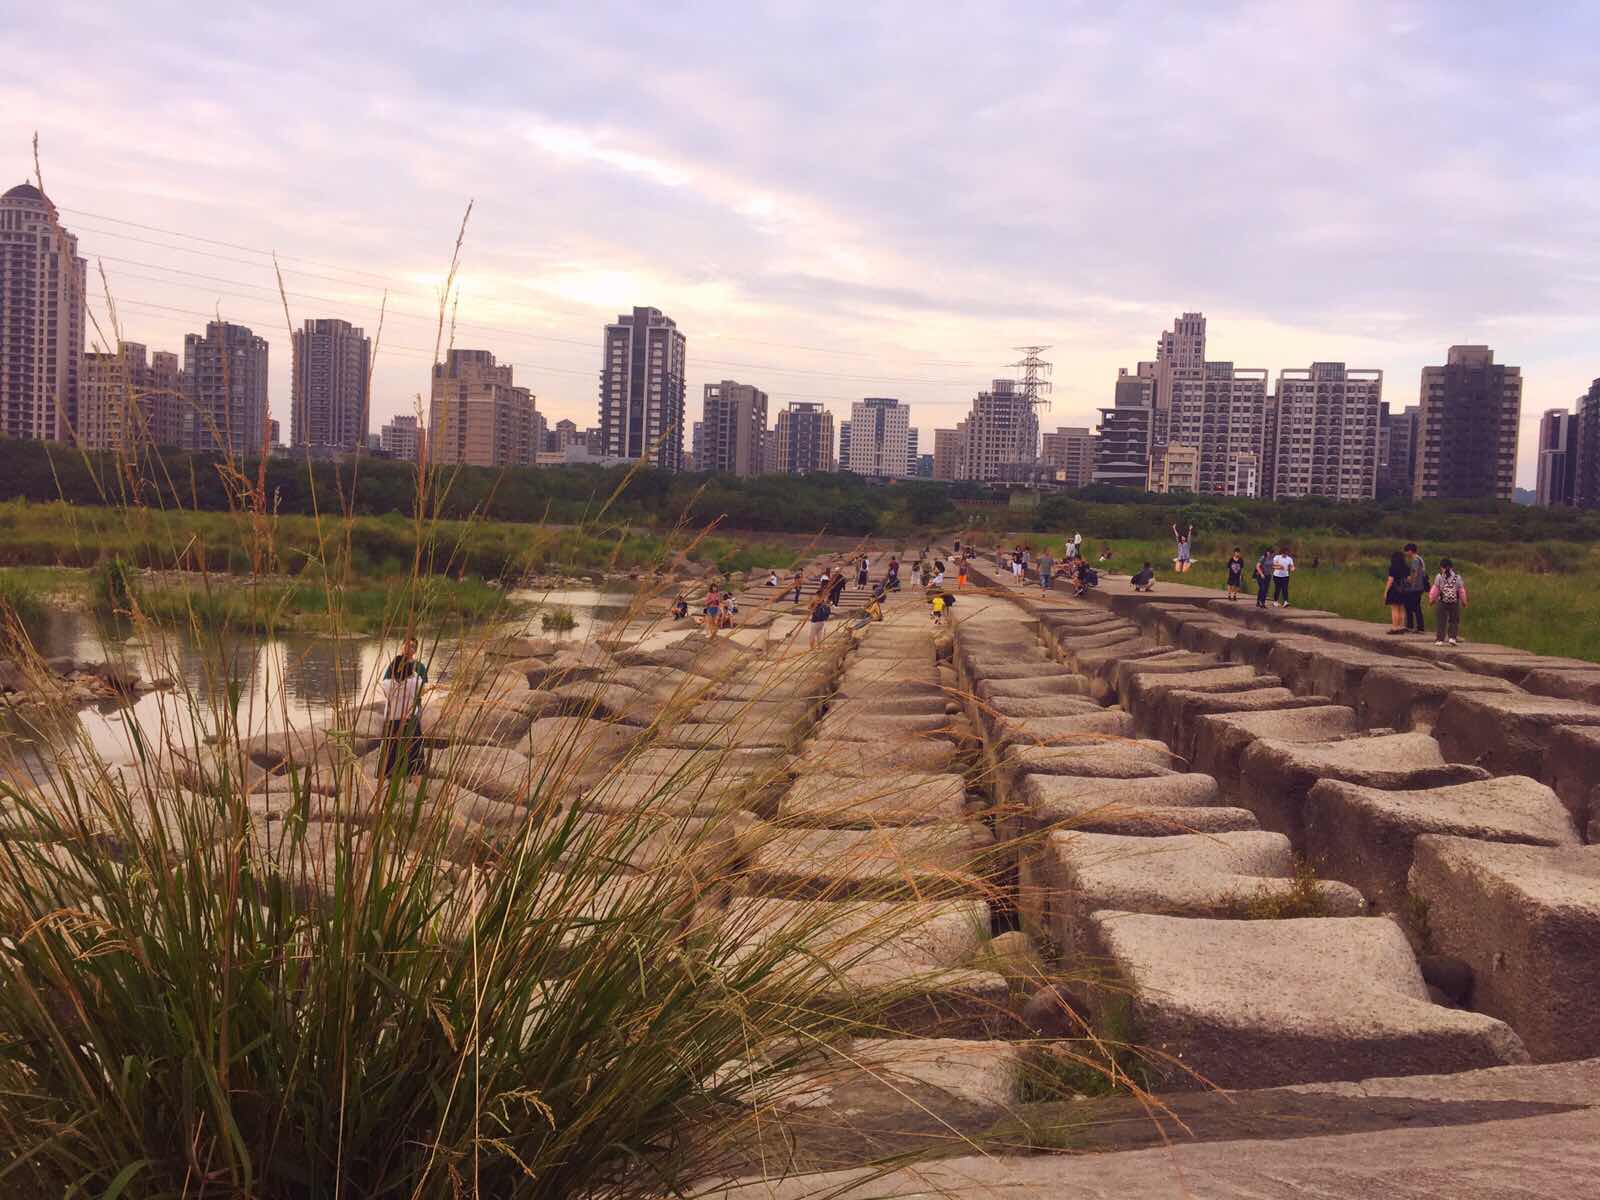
column 1235, row 573
column 836, row 590
column 891, row 581
column 1394, row 592
column 1449, row 593
column 823, row 581
column 402, row 721
column 1263, row 576
column 1047, row 566
column 713, row 613
column 799, row 582
column 862, row 571
column 961, row 570
column 820, row 612
column 1416, row 587
column 1282, row 568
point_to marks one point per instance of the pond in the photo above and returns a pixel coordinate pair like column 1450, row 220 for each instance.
column 290, row 680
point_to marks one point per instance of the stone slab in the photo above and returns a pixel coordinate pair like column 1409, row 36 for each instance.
column 920, row 860
column 854, row 802
column 1407, row 698
column 1527, row 920
column 1366, row 836
column 1507, row 734
column 1221, row 739
column 1222, row 875
column 1261, row 1003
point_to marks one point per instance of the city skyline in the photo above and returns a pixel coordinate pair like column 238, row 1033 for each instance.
column 603, row 175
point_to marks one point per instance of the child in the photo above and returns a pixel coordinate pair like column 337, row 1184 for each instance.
column 680, row 608
column 1449, row 595
column 1235, row 573
column 1144, row 580
column 938, row 608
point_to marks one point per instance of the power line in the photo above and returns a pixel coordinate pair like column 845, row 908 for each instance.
column 771, row 368
column 394, row 287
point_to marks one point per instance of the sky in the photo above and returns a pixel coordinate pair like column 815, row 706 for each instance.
column 833, row 200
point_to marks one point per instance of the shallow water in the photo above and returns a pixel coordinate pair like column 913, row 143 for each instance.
column 294, row 680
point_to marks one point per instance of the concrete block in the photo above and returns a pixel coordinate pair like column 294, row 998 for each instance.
column 1409, row 698
column 1220, row 739
column 1527, row 920
column 1259, row 1003
column 1366, row 836
column 1508, row 734
column 1276, row 775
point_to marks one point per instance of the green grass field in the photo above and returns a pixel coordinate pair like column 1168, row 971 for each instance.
column 1543, row 597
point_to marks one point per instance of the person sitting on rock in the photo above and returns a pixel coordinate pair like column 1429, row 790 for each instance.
column 680, row 608
column 1144, row 580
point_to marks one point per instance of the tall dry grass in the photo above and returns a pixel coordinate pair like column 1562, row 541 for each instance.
column 238, row 960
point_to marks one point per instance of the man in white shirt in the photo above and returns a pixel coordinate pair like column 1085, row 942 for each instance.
column 1282, row 568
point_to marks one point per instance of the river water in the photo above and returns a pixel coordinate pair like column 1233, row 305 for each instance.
column 293, row 680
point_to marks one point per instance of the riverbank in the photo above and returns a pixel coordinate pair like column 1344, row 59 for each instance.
column 1543, row 597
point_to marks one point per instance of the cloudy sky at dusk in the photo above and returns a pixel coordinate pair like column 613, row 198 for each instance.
column 837, row 200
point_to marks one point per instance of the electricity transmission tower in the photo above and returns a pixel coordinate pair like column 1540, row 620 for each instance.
column 1035, row 387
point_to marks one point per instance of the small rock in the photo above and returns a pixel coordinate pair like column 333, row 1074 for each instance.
column 1057, row 1012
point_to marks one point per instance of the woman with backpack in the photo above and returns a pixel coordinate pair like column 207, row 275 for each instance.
column 1449, row 595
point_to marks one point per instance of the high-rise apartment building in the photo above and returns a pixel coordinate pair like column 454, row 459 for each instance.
column 1214, row 407
column 1471, row 407
column 1586, row 437
column 1397, row 446
column 844, row 445
column 1325, row 432
column 804, row 437
column 478, row 416
column 950, row 453
column 1558, row 457
column 913, row 456
column 1123, row 439
column 880, row 442
column 42, row 283
column 1070, row 450
column 695, row 446
column 642, row 382
column 225, row 390
column 731, row 428
column 330, row 380
column 402, row 438
column 1002, row 430
column 130, row 399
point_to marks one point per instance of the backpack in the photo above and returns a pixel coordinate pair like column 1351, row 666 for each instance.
column 1449, row 588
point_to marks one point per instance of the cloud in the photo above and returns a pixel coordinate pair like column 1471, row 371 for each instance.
column 828, row 194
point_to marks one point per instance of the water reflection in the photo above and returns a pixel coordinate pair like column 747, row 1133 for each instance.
column 294, row 680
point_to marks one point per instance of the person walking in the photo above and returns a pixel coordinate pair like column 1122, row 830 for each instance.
column 823, row 581
column 1416, row 586
column 937, row 602
column 1235, row 573
column 1047, row 566
column 713, row 613
column 1449, row 593
column 862, row 572
column 891, row 581
column 1263, row 576
column 1394, row 592
column 799, row 582
column 1180, row 562
column 961, row 570
column 1282, row 568
column 836, row 591
column 820, row 611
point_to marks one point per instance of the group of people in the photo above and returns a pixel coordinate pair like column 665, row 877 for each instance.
column 1407, row 583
